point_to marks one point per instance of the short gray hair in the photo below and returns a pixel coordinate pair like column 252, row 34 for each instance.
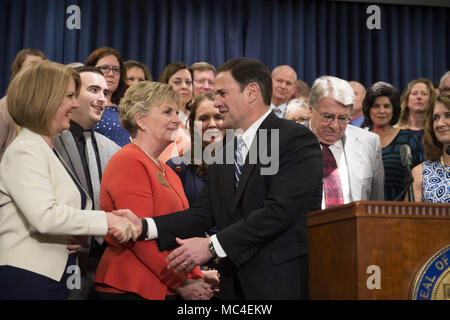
column 334, row 88
column 297, row 103
column 447, row 74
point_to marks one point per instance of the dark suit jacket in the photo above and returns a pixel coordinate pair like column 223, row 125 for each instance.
column 262, row 224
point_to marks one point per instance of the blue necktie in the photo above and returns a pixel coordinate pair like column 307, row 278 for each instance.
column 278, row 112
column 238, row 159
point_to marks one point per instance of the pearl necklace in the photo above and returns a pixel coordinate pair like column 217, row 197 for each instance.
column 158, row 164
column 444, row 166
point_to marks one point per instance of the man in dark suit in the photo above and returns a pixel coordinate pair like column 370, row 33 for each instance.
column 72, row 146
column 262, row 242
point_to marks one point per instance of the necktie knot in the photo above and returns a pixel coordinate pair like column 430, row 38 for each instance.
column 278, row 111
column 87, row 135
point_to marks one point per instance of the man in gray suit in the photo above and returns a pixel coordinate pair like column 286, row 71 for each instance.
column 86, row 153
column 353, row 167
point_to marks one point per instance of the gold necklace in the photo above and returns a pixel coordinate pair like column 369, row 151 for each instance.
column 158, row 164
column 444, row 166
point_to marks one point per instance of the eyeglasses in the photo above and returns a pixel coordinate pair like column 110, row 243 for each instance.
column 204, row 82
column 328, row 117
column 106, row 69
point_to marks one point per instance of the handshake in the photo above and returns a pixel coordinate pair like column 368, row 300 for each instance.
column 124, row 225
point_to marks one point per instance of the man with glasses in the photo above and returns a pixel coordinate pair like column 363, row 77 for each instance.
column 353, row 167
column 204, row 75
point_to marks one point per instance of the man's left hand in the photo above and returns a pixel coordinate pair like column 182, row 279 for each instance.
column 191, row 253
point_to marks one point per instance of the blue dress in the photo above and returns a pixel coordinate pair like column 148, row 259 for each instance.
column 109, row 126
column 192, row 183
column 419, row 136
column 394, row 173
column 435, row 183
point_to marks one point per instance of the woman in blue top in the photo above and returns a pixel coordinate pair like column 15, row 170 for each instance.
column 381, row 108
column 109, row 61
column 432, row 177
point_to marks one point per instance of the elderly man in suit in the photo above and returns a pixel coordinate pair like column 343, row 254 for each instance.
column 262, row 242
column 353, row 167
column 283, row 84
column 86, row 153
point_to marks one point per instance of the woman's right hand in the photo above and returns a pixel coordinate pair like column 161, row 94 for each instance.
column 121, row 228
column 195, row 289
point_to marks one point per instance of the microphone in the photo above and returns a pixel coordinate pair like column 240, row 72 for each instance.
column 405, row 156
column 447, row 150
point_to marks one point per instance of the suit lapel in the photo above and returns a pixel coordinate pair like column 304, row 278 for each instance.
column 355, row 166
column 256, row 149
column 102, row 151
column 66, row 146
column 227, row 173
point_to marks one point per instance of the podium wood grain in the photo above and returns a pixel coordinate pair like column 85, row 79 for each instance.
column 398, row 237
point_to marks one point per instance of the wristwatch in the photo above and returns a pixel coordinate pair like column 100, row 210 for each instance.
column 212, row 250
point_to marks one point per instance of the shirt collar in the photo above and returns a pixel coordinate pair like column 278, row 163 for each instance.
column 77, row 131
column 250, row 133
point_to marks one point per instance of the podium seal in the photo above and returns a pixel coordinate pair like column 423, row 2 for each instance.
column 432, row 281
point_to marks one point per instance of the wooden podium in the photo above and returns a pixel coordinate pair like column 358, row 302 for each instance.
column 348, row 243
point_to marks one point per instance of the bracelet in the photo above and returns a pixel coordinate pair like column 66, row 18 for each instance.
column 144, row 231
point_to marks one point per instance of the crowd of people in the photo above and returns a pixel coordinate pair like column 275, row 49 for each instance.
column 165, row 189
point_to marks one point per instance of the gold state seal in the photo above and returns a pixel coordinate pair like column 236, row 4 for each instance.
column 432, row 282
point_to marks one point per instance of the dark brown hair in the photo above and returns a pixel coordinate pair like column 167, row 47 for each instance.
column 104, row 52
column 246, row 70
column 433, row 147
column 171, row 69
column 200, row 169
column 133, row 63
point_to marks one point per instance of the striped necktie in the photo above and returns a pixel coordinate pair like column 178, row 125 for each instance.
column 238, row 159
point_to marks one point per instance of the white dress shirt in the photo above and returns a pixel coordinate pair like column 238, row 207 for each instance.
column 338, row 152
column 248, row 137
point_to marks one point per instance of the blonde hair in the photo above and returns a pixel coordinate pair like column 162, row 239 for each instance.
column 36, row 92
column 404, row 110
column 140, row 98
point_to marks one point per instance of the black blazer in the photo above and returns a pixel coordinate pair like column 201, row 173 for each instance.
column 262, row 224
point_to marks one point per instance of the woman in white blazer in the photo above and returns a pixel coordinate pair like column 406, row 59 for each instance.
column 44, row 211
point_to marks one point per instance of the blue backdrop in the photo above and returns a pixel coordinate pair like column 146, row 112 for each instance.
column 314, row 37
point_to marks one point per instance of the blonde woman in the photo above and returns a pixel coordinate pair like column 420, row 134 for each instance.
column 43, row 208
column 134, row 178
column 418, row 96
